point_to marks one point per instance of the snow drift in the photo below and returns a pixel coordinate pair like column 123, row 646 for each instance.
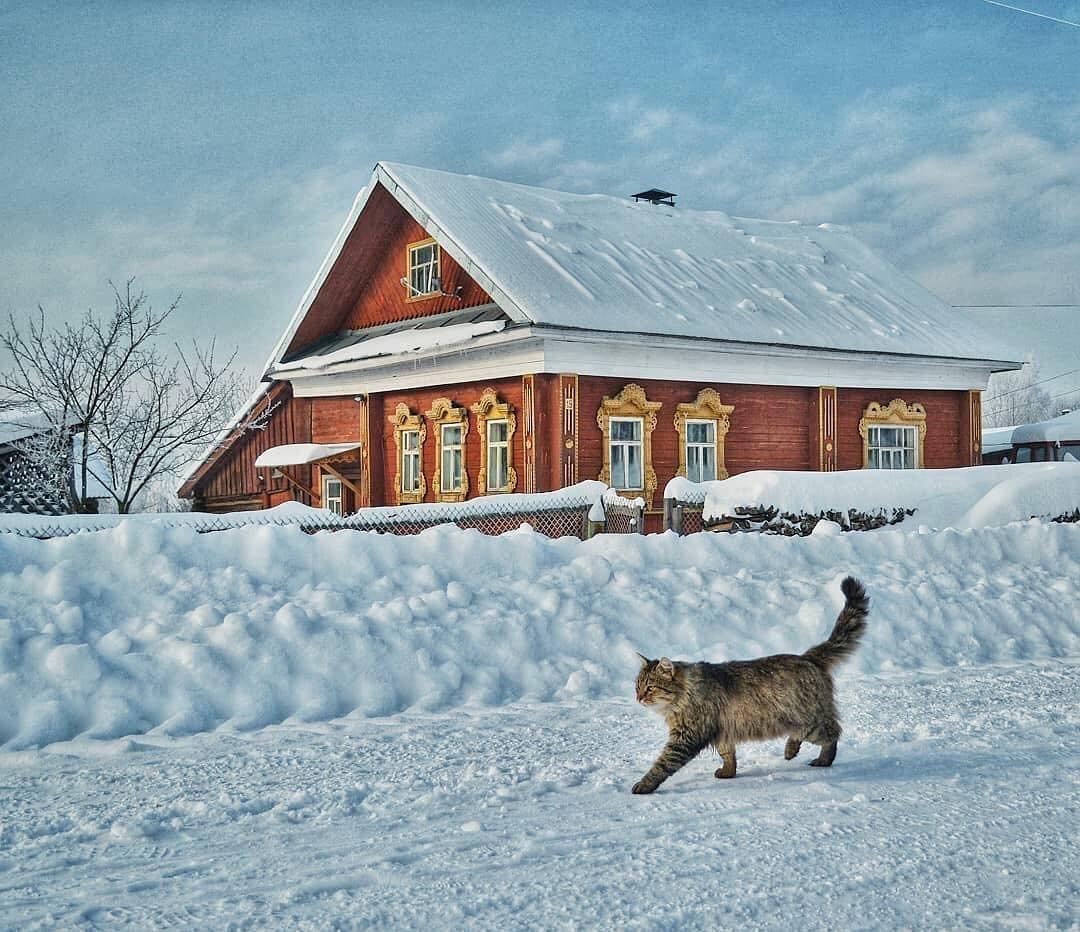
column 146, row 628
column 968, row 497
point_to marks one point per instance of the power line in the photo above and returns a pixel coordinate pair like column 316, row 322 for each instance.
column 1024, row 388
column 1053, row 19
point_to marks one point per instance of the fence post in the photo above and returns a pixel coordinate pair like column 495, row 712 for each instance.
column 639, row 518
column 673, row 515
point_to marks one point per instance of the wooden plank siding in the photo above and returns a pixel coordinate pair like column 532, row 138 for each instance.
column 232, row 483
column 419, row 402
column 770, row 427
column 364, row 287
column 945, row 444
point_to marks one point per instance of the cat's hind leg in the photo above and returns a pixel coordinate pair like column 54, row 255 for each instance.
column 825, row 737
column 727, row 751
column 791, row 749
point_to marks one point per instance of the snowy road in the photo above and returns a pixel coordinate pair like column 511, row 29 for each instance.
column 953, row 803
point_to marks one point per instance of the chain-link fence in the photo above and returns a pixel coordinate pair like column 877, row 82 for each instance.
column 623, row 515
column 574, row 512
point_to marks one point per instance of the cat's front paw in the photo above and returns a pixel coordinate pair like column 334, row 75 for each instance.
column 642, row 787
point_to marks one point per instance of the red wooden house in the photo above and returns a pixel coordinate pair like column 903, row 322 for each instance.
column 467, row 336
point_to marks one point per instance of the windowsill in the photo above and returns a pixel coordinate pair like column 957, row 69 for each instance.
column 431, row 295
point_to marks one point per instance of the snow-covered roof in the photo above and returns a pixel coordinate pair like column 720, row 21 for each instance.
column 605, row 263
column 22, row 421
column 300, row 454
column 996, row 439
column 1064, row 427
column 400, row 343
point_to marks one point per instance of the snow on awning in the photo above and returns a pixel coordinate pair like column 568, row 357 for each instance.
column 302, row 454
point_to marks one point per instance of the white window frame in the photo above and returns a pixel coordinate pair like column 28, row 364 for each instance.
column 504, row 447
column 695, row 445
column 452, row 449
column 410, row 456
column 334, row 502
column 626, row 445
column 423, row 275
column 892, row 456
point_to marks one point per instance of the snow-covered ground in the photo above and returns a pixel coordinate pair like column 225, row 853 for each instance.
column 349, row 730
column 953, row 803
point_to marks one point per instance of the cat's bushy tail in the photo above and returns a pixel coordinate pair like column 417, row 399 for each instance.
column 849, row 627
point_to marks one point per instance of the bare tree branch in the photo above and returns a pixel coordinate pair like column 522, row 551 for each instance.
column 140, row 412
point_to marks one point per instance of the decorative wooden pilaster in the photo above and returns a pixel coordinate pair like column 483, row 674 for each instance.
column 568, row 420
column 364, row 494
column 826, row 435
column 971, row 429
column 528, row 430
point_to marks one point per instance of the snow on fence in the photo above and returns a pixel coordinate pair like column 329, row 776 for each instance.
column 623, row 515
column 579, row 511
column 794, row 503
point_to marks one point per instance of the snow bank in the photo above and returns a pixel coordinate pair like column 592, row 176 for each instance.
column 977, row 496
column 146, row 628
column 60, row 525
column 589, row 492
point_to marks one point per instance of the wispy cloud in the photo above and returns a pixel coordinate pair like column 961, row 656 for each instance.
column 523, row 153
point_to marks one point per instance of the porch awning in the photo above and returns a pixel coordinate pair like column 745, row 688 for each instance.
column 302, row 454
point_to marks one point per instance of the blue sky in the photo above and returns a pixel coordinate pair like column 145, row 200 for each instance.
column 213, row 149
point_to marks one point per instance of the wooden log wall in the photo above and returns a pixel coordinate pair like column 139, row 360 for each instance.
column 419, row 402
column 233, row 483
column 944, row 445
column 770, row 427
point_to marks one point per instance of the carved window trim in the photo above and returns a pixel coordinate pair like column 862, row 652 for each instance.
column 441, row 414
column 631, row 402
column 706, row 407
column 896, row 413
column 489, row 409
column 404, row 420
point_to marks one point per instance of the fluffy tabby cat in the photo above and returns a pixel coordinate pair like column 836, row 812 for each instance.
column 723, row 704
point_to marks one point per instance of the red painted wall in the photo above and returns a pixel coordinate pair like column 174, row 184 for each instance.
column 419, row 402
column 945, row 410
column 771, row 428
column 364, row 286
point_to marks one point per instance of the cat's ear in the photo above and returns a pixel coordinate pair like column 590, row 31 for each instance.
column 666, row 666
column 643, row 658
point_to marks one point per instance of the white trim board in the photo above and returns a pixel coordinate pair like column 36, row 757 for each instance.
column 525, row 351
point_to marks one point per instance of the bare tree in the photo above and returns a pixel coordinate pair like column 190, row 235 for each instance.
column 141, row 412
column 1016, row 398
column 1065, row 402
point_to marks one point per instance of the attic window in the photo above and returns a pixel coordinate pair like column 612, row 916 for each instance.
column 423, row 269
